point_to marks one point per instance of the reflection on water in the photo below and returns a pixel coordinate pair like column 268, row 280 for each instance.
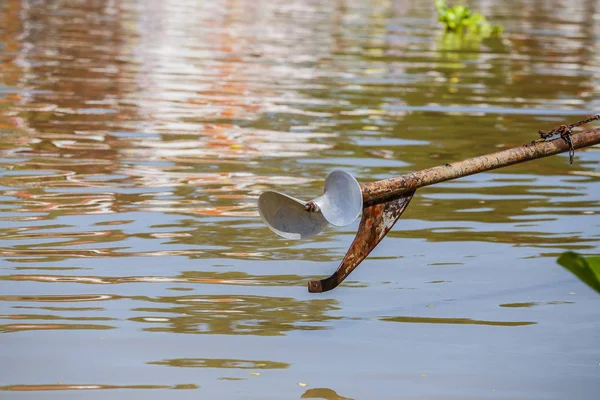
column 31, row 388
column 241, row 315
column 464, row 321
column 221, row 363
column 219, row 278
column 58, row 298
column 136, row 137
column 27, row 327
column 533, row 304
column 320, row 393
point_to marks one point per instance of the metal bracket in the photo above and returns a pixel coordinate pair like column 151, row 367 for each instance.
column 376, row 221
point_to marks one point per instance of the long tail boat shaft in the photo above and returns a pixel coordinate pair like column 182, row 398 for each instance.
column 384, row 201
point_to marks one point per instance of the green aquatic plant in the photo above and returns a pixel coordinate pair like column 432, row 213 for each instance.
column 585, row 268
column 461, row 19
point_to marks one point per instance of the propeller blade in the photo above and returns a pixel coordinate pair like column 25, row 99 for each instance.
column 285, row 215
column 340, row 205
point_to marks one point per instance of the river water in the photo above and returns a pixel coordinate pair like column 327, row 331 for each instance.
column 137, row 137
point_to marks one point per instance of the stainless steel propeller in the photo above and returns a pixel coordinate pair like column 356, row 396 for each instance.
column 340, row 205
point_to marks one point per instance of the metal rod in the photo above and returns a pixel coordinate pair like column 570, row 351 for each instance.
column 396, row 187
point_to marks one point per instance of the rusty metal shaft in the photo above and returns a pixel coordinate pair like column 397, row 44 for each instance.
column 384, row 201
column 399, row 186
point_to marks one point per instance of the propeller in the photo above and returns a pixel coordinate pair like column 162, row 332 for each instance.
column 292, row 218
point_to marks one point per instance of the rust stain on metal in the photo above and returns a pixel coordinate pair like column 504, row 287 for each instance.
column 377, row 220
column 311, row 206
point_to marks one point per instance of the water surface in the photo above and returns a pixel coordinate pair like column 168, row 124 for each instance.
column 137, row 136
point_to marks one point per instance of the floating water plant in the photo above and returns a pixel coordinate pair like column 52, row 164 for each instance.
column 461, row 19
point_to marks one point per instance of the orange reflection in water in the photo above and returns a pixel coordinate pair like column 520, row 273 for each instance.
column 43, row 327
column 34, row 388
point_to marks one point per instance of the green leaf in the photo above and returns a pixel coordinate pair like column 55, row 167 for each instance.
column 594, row 264
column 585, row 268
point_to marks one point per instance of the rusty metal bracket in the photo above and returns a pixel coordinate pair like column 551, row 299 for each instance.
column 377, row 220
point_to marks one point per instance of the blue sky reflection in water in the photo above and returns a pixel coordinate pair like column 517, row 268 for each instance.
column 137, row 136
